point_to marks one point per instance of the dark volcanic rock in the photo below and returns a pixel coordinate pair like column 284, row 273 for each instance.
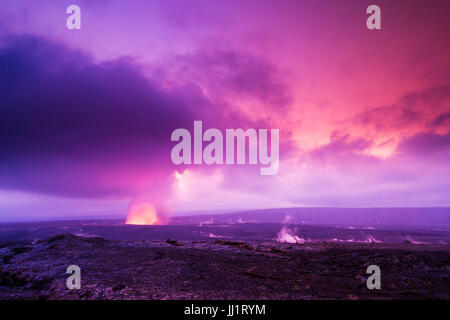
column 220, row 269
column 173, row 242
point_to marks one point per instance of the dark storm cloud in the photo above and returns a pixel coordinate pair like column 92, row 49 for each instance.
column 71, row 126
column 75, row 127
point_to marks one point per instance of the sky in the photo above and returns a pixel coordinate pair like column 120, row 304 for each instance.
column 86, row 115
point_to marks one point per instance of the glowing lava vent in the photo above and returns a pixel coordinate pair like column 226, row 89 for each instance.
column 142, row 214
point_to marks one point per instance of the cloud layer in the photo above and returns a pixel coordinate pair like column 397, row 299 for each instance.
column 363, row 116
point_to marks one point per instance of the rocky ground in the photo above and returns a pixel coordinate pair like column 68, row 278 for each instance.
column 220, row 269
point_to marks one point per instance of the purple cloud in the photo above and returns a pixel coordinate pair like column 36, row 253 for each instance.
column 424, row 108
column 71, row 126
column 229, row 72
column 74, row 127
column 426, row 145
column 342, row 150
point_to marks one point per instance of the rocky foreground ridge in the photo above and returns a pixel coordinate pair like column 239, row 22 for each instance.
column 220, row 269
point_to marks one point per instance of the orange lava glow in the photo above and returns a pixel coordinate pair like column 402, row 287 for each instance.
column 142, row 214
